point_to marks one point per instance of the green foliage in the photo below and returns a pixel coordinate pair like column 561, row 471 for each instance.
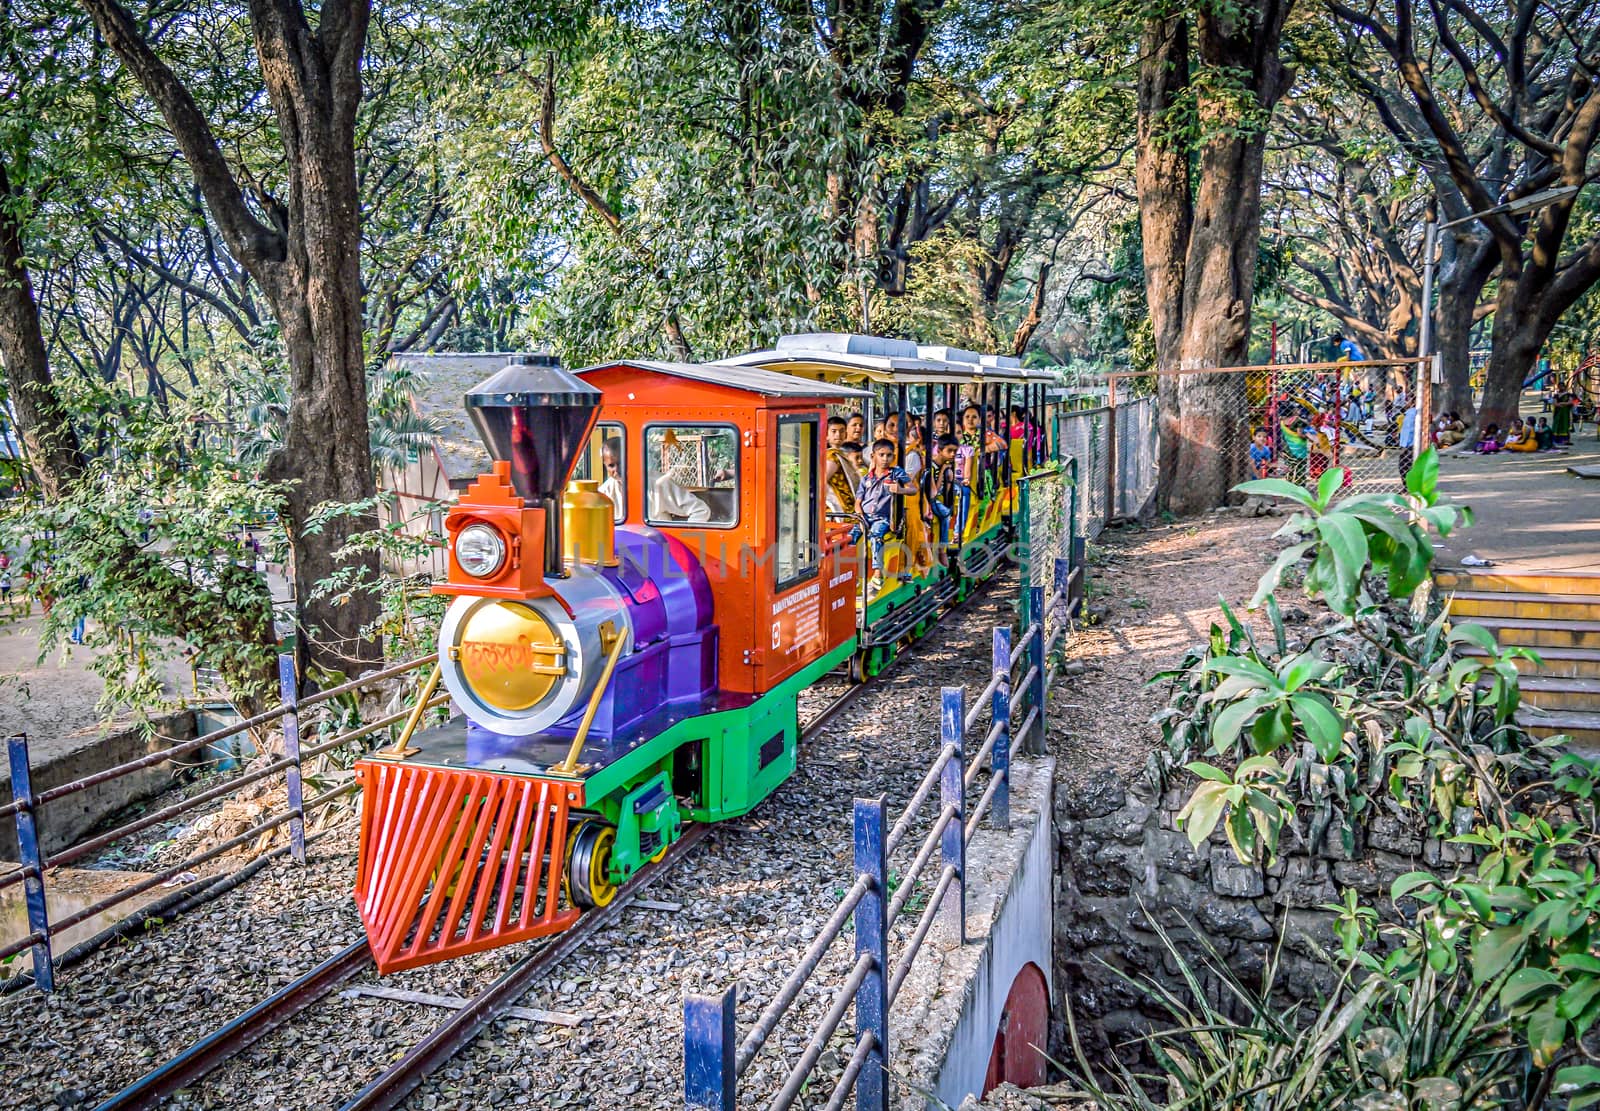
column 148, row 549
column 1382, row 1039
column 1382, row 711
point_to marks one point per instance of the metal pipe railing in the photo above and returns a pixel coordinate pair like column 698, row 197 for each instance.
column 774, row 1012
column 25, row 804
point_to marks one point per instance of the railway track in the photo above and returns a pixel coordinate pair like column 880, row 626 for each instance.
column 446, row 1039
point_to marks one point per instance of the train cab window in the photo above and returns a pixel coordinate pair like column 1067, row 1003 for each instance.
column 798, row 552
column 606, row 456
column 691, row 474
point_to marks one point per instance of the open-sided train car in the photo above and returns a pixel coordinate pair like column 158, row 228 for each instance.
column 641, row 587
column 920, row 382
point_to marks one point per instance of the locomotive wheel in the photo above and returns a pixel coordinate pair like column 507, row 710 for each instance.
column 588, row 859
column 858, row 668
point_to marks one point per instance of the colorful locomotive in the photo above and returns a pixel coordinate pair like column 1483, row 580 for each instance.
column 625, row 652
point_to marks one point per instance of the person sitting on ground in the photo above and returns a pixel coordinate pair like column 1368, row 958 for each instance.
column 1489, row 442
column 1261, row 455
column 1452, row 430
column 1543, row 436
column 874, row 498
column 841, row 476
column 1521, row 437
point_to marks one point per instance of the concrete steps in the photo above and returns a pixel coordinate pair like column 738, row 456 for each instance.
column 1583, row 728
column 1478, row 604
column 1557, row 615
column 1541, row 632
column 1521, row 582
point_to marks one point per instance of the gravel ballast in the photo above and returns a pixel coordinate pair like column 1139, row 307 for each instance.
column 751, row 898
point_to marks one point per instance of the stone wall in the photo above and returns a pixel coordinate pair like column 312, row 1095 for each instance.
column 1121, row 861
column 65, row 821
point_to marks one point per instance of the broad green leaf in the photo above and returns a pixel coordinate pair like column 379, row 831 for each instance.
column 1547, row 1030
column 1286, row 559
column 1321, row 724
column 1209, row 771
column 1526, row 984
column 1346, row 541
column 1329, row 484
column 1572, row 1002
column 1423, row 476
column 1276, row 488
column 1409, row 882
column 1469, row 633
column 1227, row 725
column 1238, row 665
column 1201, row 813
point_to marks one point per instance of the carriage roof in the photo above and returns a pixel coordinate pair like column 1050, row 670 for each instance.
column 880, row 359
column 750, row 379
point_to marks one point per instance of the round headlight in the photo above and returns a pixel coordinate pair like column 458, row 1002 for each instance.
column 480, row 551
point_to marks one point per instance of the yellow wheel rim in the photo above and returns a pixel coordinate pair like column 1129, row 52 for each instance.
column 601, row 890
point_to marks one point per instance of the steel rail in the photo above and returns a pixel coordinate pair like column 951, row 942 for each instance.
column 902, row 967
column 976, row 765
column 983, row 806
column 242, row 1032
column 842, row 1001
column 450, row 1036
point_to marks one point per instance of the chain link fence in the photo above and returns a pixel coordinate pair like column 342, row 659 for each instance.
column 1136, row 453
column 1085, row 435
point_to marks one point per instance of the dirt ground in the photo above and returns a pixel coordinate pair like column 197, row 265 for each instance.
column 1155, row 592
column 53, row 701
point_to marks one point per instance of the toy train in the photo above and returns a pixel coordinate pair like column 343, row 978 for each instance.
column 641, row 587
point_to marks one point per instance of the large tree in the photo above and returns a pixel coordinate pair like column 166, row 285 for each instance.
column 1209, row 77
column 79, row 536
column 1529, row 67
column 302, row 250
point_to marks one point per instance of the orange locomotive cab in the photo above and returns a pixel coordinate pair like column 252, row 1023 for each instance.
column 783, row 580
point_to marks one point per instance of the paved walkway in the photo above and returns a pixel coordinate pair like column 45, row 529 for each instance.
column 1528, row 510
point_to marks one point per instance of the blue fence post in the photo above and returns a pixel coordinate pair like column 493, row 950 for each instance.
column 872, row 936
column 953, row 792
column 709, row 1051
column 32, row 861
column 290, row 692
column 1000, row 714
column 1035, row 744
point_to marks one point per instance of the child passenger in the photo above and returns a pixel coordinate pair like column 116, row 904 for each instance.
column 875, row 497
column 938, row 487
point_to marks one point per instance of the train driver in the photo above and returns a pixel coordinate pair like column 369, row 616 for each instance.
column 611, row 485
column 671, row 499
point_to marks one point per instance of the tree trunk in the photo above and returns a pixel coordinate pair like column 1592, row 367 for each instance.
column 1467, row 264
column 1161, row 173
column 1219, row 272
column 43, row 424
column 305, row 256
